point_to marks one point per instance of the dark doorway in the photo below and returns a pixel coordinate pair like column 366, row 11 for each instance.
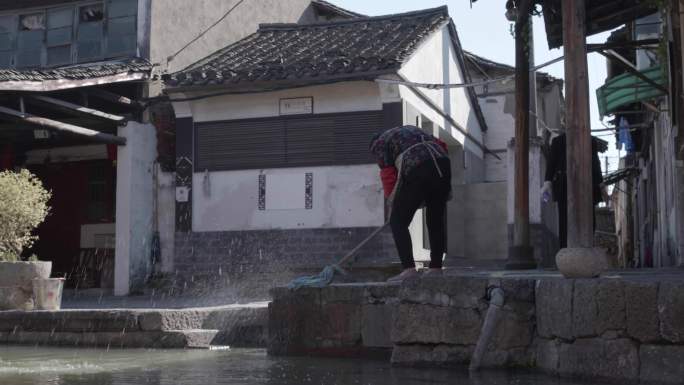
column 83, row 194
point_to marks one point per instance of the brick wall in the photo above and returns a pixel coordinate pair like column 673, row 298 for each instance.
column 262, row 259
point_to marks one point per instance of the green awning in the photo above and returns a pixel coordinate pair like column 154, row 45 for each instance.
column 629, row 88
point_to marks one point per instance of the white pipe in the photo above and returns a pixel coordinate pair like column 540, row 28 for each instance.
column 496, row 301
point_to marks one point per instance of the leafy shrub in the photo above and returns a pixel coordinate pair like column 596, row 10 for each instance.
column 23, row 206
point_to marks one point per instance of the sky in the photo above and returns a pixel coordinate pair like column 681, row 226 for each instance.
column 484, row 31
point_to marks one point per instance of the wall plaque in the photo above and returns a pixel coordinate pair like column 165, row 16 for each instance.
column 296, row 106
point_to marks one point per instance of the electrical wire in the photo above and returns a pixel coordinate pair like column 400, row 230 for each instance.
column 437, row 86
column 172, row 57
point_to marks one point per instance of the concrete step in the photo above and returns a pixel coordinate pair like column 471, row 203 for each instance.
column 235, row 325
column 172, row 339
column 195, row 338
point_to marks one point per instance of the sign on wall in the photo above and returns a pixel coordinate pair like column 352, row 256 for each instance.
column 182, row 194
column 296, row 106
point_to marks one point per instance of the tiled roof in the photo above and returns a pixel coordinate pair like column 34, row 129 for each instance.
column 76, row 72
column 358, row 48
column 501, row 67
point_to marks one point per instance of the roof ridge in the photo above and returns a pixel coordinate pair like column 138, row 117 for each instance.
column 310, row 50
column 332, row 7
column 509, row 67
column 290, row 26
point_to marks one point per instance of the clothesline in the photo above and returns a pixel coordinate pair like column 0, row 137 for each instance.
column 437, row 86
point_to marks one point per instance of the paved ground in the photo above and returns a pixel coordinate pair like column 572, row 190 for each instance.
column 654, row 274
column 103, row 299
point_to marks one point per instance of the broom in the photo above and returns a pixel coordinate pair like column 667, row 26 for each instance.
column 325, row 277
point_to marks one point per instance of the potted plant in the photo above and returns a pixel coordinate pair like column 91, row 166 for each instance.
column 23, row 206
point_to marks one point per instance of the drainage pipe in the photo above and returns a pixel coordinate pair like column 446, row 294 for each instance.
column 497, row 298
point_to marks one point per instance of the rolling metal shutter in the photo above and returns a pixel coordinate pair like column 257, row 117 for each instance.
column 297, row 141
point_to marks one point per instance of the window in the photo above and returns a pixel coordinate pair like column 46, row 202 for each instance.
column 7, row 40
column 66, row 34
column 122, row 22
column 90, row 32
column 60, row 26
column 30, row 40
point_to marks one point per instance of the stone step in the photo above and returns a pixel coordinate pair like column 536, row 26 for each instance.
column 194, row 339
column 118, row 320
column 172, row 339
column 234, row 325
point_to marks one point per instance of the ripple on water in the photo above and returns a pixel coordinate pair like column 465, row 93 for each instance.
column 49, row 367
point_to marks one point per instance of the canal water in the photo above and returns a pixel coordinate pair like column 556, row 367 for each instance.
column 51, row 366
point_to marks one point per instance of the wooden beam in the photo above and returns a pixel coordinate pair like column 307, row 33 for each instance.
column 63, row 127
column 625, row 44
column 61, row 84
column 112, row 97
column 75, row 108
column 580, row 201
column 520, row 255
column 451, row 121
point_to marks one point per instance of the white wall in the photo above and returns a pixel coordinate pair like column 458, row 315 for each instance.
column 337, row 97
column 436, row 62
column 166, row 193
column 343, row 196
column 134, row 205
column 536, row 180
column 486, row 230
column 176, row 22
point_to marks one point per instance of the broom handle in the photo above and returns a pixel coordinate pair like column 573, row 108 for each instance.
column 360, row 245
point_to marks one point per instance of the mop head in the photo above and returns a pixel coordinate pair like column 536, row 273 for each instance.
column 323, row 279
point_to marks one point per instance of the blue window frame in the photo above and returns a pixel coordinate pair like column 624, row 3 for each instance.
column 86, row 31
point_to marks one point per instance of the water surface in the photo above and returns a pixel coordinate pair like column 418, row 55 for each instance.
column 52, row 366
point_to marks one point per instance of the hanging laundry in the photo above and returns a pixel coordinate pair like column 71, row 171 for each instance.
column 625, row 136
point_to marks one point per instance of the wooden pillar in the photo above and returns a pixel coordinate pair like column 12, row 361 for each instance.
column 578, row 135
column 520, row 255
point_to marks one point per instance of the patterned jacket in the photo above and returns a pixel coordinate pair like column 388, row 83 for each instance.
column 396, row 140
column 391, row 143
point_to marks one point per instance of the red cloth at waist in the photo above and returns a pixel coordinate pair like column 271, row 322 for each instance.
column 388, row 176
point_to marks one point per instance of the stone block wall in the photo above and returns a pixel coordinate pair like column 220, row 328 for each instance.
column 628, row 328
column 622, row 329
column 255, row 261
column 343, row 320
column 438, row 322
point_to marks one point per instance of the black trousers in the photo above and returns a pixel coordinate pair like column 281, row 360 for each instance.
column 422, row 185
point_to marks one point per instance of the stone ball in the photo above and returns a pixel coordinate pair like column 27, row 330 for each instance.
column 582, row 262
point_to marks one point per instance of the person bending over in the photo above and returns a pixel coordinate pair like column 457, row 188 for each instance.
column 415, row 171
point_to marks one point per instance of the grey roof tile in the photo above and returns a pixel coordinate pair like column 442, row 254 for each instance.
column 76, row 71
column 293, row 52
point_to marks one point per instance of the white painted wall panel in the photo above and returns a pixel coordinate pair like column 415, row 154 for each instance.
column 501, row 126
column 436, row 62
column 286, row 191
column 331, row 98
column 134, row 205
column 166, row 193
column 343, row 196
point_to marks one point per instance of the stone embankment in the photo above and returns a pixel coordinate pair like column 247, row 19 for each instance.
column 233, row 325
column 625, row 328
